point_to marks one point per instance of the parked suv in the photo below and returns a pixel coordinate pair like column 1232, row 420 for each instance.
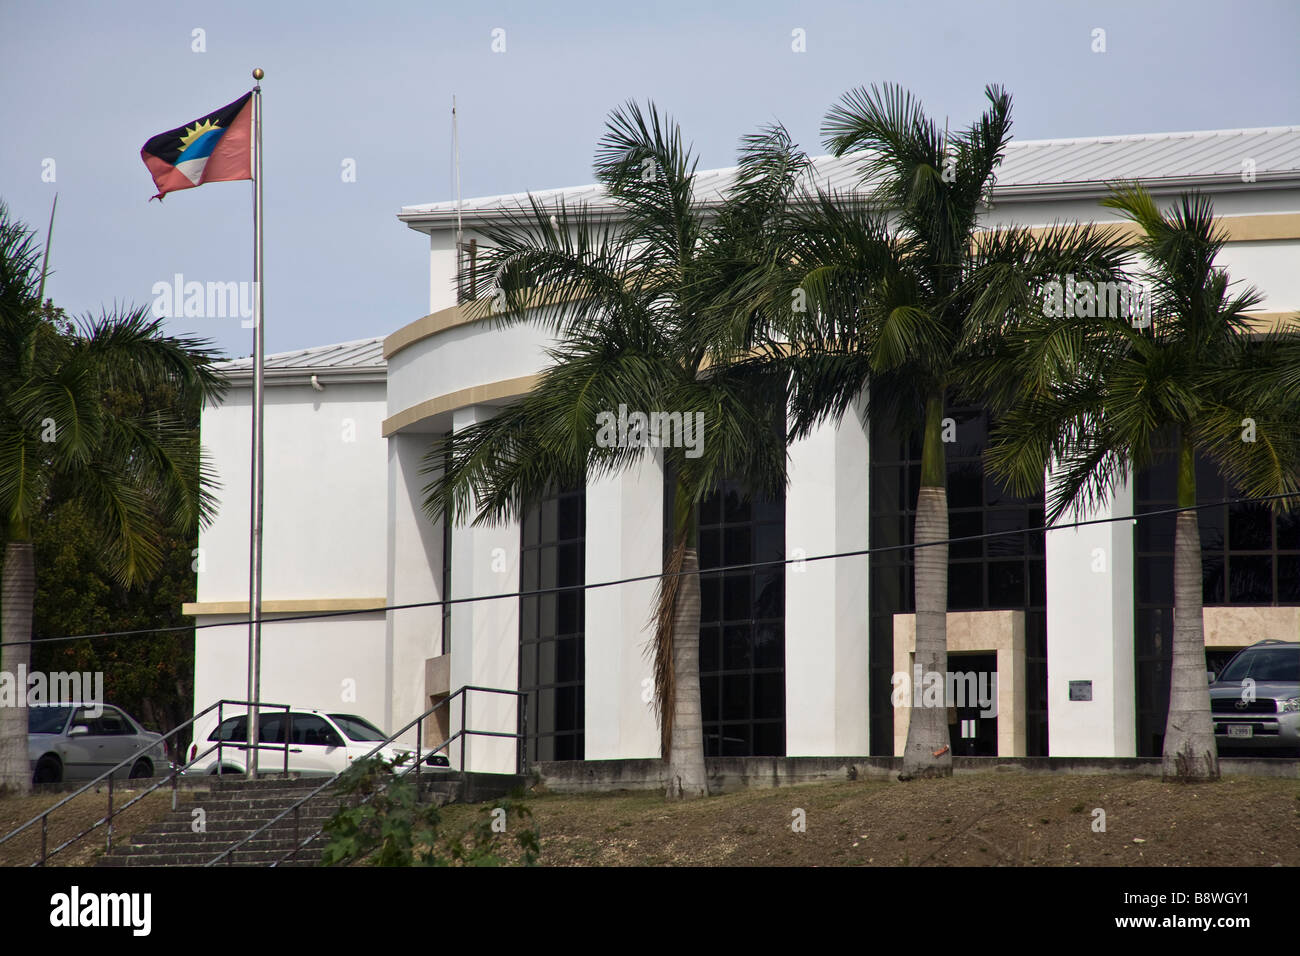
column 75, row 741
column 320, row 744
column 1256, row 700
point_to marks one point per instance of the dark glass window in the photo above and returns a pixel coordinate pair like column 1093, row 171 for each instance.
column 742, row 623
column 1248, row 556
column 551, row 649
column 742, row 618
column 1006, row 572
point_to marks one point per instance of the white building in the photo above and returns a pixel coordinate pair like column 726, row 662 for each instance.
column 796, row 661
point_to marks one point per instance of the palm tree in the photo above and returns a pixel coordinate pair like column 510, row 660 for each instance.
column 896, row 291
column 640, row 305
column 1097, row 396
column 134, row 474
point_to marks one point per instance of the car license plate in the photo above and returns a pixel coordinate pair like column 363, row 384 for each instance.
column 1240, row 730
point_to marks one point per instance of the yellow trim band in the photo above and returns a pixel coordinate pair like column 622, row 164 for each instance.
column 305, row 606
column 474, row 395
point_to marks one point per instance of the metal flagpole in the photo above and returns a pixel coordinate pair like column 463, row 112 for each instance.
column 255, row 497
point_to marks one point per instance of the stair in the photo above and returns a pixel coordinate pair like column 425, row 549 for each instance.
column 235, row 807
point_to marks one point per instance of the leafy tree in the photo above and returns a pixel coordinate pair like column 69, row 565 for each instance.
column 889, row 297
column 150, row 675
column 67, row 433
column 643, row 308
column 1095, row 397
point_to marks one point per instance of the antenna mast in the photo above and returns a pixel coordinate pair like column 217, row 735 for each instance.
column 455, row 139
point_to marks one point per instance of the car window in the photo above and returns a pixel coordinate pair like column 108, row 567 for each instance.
column 111, row 723
column 99, row 726
column 358, row 728
column 1265, row 664
column 46, row 719
column 231, row 729
column 271, row 728
column 312, row 731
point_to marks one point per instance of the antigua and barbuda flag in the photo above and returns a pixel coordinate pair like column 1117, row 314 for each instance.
column 214, row 148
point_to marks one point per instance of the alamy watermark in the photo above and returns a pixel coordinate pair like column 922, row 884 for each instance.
column 41, row 689
column 651, row 430
column 959, row 689
column 1081, row 298
column 179, row 299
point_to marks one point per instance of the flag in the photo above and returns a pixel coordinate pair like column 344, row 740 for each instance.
column 214, row 148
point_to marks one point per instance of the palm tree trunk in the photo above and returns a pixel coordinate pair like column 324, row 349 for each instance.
column 927, row 753
column 1190, row 752
column 687, row 777
column 17, row 594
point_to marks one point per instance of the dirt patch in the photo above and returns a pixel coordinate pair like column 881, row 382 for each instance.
column 74, row 817
column 993, row 819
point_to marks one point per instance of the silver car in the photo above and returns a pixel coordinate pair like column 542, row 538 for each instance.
column 1255, row 702
column 76, row 741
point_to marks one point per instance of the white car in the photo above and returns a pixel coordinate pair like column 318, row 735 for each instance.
column 320, row 744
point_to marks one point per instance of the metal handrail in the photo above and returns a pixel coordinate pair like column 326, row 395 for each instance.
column 403, row 772
column 172, row 776
column 521, row 760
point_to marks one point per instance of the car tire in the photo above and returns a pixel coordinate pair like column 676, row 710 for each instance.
column 141, row 768
column 49, row 769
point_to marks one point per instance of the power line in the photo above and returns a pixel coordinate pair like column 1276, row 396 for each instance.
column 861, row 552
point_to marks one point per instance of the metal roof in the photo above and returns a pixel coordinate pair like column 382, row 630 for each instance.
column 1038, row 169
column 357, row 361
column 360, row 353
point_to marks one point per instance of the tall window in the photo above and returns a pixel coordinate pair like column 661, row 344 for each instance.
column 1006, row 572
column 742, row 620
column 1248, row 556
column 551, row 654
column 742, row 625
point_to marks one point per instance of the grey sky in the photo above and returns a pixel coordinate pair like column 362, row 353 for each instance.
column 86, row 83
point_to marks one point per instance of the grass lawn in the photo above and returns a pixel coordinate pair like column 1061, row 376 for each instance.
column 74, row 817
column 992, row 819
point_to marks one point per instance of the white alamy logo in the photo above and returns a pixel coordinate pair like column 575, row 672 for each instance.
column 1080, row 298
column 75, row 908
column 960, row 689
column 651, row 430
column 41, row 689
column 179, row 299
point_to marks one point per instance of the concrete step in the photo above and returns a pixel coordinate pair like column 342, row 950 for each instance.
column 211, row 846
column 228, row 831
column 258, row 805
column 219, row 824
column 309, row 856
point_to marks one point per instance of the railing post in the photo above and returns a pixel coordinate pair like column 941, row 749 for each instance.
column 523, row 734
column 285, row 735
column 220, row 704
column 419, row 745
column 110, row 811
column 45, row 819
column 295, row 833
column 464, row 696
column 175, row 786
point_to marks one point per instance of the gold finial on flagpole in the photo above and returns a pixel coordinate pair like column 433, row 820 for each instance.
column 258, row 74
